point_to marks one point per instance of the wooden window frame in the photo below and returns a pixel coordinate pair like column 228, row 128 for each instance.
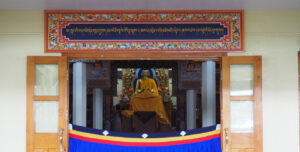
column 257, row 142
column 61, row 98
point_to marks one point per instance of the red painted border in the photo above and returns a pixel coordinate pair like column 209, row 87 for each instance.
column 46, row 12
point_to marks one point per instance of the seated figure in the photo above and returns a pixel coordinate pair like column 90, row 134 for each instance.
column 147, row 98
column 146, row 86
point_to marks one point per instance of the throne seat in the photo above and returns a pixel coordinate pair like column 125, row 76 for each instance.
column 144, row 122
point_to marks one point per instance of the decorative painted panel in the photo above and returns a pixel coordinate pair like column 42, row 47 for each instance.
column 86, row 31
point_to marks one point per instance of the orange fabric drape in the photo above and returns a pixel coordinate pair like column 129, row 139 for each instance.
column 148, row 101
column 149, row 84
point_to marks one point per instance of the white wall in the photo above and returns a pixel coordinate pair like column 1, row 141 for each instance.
column 276, row 36
column 273, row 34
column 21, row 35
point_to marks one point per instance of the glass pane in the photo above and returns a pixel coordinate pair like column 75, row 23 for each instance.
column 242, row 116
column 241, row 80
column 46, row 80
column 46, row 116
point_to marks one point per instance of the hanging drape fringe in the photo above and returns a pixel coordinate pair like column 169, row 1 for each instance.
column 83, row 139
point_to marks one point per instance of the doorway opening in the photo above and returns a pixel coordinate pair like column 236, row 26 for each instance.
column 180, row 86
column 241, row 98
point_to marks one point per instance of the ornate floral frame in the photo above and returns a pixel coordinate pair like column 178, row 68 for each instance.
column 55, row 20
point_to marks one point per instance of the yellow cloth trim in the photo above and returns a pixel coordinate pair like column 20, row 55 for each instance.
column 126, row 139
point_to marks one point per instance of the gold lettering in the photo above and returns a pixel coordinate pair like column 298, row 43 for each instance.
column 134, row 31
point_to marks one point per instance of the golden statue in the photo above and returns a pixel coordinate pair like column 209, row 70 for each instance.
column 146, row 85
column 147, row 98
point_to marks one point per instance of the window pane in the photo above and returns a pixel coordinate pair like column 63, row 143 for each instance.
column 242, row 116
column 241, row 80
column 46, row 80
column 46, row 116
